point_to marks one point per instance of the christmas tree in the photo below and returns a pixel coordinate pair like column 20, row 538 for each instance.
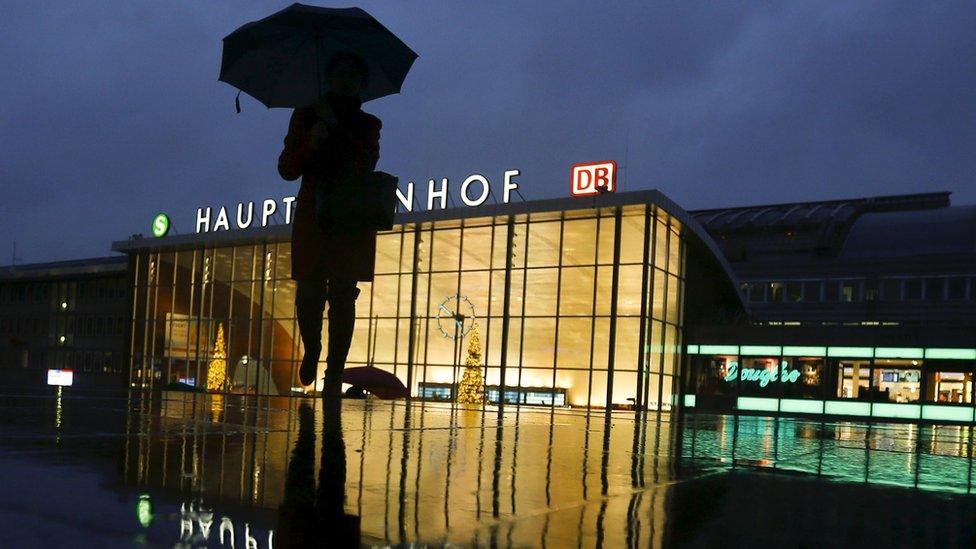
column 472, row 387
column 217, row 372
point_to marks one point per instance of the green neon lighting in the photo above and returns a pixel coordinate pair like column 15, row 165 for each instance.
column 804, row 351
column 718, row 349
column 144, row 510
column 800, row 406
column 160, row 225
column 762, row 375
column 760, row 350
column 689, row 401
column 850, row 352
column 841, row 408
column 947, row 413
column 754, row 403
column 899, row 352
column 958, row 354
column 692, row 350
column 903, row 411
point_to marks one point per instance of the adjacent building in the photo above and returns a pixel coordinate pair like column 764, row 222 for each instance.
column 65, row 315
column 860, row 307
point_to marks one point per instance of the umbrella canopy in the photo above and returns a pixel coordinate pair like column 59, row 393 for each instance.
column 378, row 382
column 281, row 60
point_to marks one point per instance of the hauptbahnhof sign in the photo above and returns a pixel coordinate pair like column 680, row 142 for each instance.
column 474, row 191
column 587, row 179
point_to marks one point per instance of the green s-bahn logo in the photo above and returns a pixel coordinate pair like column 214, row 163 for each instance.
column 160, row 225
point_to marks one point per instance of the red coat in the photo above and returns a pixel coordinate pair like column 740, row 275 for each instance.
column 352, row 147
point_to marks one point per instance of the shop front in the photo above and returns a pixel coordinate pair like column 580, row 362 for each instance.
column 913, row 383
column 571, row 302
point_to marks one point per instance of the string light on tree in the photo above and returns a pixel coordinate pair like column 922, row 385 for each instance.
column 217, row 372
column 472, row 387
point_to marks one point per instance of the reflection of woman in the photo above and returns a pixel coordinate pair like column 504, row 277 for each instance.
column 310, row 517
column 330, row 143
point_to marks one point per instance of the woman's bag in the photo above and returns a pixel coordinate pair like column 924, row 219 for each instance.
column 357, row 205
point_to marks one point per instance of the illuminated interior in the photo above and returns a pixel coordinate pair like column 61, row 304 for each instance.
column 577, row 282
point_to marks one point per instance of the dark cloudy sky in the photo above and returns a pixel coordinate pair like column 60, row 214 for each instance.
column 111, row 111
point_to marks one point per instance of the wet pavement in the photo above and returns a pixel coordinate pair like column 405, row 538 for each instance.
column 182, row 469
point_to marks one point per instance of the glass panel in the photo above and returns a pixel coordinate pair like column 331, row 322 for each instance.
column 808, row 383
column 852, row 378
column 629, row 290
column 446, row 250
column 387, row 253
column 897, row 381
column 605, row 249
column 541, row 333
column 477, row 242
column 573, row 349
column 579, row 242
column 949, row 387
column 576, row 291
column 544, row 244
column 632, row 238
column 540, row 292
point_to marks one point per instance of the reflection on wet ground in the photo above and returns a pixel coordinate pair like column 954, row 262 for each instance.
column 193, row 470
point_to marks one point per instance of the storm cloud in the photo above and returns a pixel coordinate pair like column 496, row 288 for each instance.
column 112, row 112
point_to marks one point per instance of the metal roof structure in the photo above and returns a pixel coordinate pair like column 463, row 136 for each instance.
column 61, row 269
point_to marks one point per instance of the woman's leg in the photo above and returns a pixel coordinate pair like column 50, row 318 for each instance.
column 310, row 298
column 342, row 296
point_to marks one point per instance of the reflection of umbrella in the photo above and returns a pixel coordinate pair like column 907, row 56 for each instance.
column 378, row 382
column 280, row 60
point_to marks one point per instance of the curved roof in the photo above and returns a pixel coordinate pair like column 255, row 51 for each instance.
column 921, row 232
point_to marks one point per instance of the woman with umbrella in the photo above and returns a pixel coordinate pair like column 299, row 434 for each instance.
column 332, row 141
column 324, row 63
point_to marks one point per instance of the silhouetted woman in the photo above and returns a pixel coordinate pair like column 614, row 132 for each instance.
column 331, row 142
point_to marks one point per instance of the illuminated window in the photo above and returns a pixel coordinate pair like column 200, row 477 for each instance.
column 897, row 380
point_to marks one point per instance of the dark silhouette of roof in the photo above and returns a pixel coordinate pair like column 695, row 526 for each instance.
column 816, row 230
column 75, row 267
column 915, row 233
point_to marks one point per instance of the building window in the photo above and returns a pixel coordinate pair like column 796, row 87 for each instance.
column 891, row 290
column 934, row 288
column 808, row 383
column 871, row 290
column 756, row 293
column 853, row 379
column 831, row 291
column 848, row 291
column 949, row 387
column 775, row 292
column 897, row 380
column 794, row 291
column 437, row 391
column 744, row 290
column 811, row 291
column 956, row 288
column 913, row 288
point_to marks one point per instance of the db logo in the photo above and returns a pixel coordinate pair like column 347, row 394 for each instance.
column 594, row 178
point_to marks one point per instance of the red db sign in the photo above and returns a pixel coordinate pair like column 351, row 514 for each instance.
column 592, row 178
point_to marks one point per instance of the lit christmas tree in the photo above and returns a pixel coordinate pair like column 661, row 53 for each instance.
column 217, row 372
column 472, row 387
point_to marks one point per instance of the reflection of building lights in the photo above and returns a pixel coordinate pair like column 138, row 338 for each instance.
column 144, row 510
column 57, row 409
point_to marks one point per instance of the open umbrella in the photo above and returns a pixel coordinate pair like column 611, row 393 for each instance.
column 280, row 60
column 378, row 382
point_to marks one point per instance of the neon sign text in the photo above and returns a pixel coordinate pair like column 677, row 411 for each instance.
column 762, row 375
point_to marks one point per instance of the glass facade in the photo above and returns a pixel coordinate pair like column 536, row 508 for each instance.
column 578, row 307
